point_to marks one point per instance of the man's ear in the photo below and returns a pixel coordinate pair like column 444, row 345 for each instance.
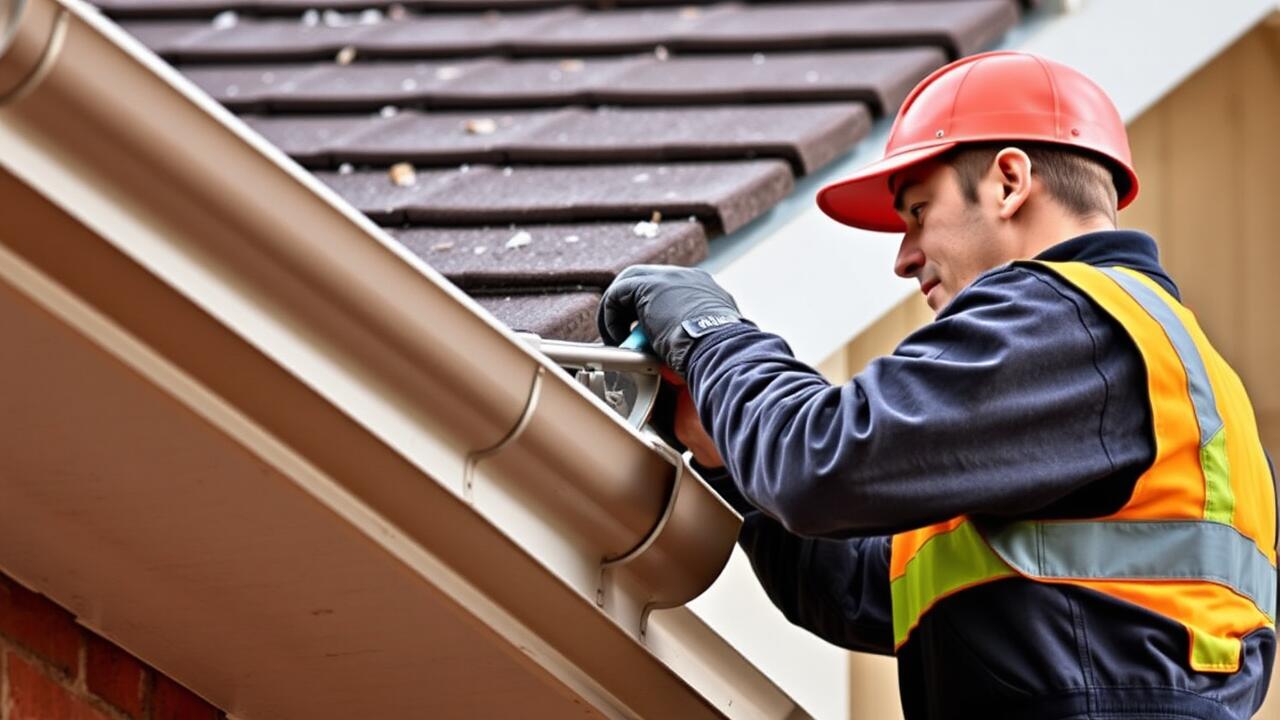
column 1012, row 168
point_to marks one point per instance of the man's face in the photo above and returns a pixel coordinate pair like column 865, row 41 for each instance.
column 949, row 241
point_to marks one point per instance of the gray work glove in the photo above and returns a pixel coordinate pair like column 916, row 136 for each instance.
column 674, row 306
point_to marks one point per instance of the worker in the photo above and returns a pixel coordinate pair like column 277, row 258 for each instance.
column 1049, row 502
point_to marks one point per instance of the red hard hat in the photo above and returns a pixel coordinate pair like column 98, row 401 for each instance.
column 988, row 97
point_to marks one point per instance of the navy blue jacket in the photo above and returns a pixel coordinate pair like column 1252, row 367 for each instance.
column 1021, row 400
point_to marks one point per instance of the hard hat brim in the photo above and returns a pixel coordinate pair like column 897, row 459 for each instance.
column 863, row 200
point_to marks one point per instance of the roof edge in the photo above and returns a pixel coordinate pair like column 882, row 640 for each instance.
column 222, row 229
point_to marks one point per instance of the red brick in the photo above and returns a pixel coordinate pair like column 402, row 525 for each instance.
column 35, row 696
column 39, row 625
column 115, row 676
column 171, row 701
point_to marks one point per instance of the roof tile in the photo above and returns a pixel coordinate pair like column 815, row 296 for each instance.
column 724, row 195
column 958, row 27
column 585, row 254
column 806, row 135
column 561, row 315
column 880, row 78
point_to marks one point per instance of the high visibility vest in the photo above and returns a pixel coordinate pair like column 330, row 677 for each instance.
column 1196, row 540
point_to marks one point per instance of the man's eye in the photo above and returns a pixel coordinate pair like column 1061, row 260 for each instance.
column 915, row 211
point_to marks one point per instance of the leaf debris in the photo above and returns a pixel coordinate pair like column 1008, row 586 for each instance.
column 480, row 126
column 402, row 174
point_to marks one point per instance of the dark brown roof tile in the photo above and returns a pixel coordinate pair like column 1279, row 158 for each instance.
column 807, row 135
column 723, row 195
column 562, row 316
column 586, row 254
column 880, row 78
column 959, row 27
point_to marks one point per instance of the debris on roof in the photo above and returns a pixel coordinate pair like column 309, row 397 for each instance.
column 528, row 149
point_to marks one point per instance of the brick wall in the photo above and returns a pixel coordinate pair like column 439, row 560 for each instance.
column 53, row 669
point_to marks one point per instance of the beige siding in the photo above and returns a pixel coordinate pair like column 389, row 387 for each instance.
column 1209, row 159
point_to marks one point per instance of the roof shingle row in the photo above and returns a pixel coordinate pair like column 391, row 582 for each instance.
column 531, row 149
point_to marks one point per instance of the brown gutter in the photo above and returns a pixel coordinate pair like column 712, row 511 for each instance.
column 158, row 237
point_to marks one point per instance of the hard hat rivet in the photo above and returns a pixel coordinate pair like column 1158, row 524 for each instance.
column 939, row 134
column 1075, row 132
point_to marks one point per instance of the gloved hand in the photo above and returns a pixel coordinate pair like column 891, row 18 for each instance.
column 674, row 306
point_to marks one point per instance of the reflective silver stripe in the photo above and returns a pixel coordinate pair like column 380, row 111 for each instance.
column 1202, row 397
column 1139, row 550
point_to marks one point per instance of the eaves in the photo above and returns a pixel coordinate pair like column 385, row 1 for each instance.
column 820, row 284
column 310, row 478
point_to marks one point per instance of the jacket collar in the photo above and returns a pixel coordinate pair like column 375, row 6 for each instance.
column 1108, row 248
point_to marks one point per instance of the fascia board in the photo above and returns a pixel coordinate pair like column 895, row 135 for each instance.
column 820, row 284
column 219, row 225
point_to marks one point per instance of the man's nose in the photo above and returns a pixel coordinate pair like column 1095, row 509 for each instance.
column 910, row 259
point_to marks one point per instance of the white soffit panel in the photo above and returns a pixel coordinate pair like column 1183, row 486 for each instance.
column 819, row 284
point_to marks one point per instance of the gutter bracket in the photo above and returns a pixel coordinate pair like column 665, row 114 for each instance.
column 611, row 565
column 526, row 416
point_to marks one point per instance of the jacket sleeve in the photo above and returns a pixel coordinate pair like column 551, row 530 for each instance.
column 1000, row 406
column 835, row 589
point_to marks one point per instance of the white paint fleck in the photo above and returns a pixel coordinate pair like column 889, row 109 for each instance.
column 346, row 169
column 333, row 18
column 640, row 178
column 464, row 168
column 757, row 59
column 442, row 246
column 662, row 53
column 480, row 250
column 370, row 16
column 389, row 111
column 519, row 240
column 311, row 18
column 646, row 229
column 448, row 72
column 508, row 171
column 408, row 84
column 225, row 20
column 571, row 239
column 671, row 195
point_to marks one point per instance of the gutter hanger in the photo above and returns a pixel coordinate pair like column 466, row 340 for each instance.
column 187, row 202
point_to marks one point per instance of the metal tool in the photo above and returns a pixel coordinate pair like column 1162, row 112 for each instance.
column 626, row 378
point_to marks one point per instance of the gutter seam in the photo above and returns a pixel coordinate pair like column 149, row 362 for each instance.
column 47, row 58
column 526, row 417
column 611, row 564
